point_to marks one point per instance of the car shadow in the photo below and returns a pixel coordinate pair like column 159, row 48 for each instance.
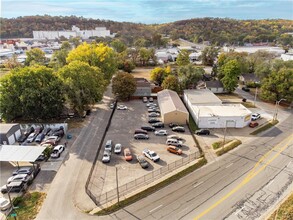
column 161, row 162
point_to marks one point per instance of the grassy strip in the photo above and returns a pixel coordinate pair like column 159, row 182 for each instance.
column 265, row 127
column 219, row 144
column 192, row 124
column 285, row 212
column 28, row 205
column 152, row 189
column 229, row 147
column 248, row 104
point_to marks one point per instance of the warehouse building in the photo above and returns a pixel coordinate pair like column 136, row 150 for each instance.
column 208, row 111
column 9, row 133
column 172, row 108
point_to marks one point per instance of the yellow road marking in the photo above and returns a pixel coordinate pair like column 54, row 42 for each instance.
column 251, row 174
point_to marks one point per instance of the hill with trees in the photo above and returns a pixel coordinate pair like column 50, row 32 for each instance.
column 215, row 30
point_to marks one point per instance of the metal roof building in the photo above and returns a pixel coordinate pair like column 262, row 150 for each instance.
column 201, row 97
column 172, row 108
column 9, row 133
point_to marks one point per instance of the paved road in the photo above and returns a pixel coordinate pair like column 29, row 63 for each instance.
column 217, row 190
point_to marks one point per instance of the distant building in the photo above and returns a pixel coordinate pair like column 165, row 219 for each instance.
column 75, row 32
column 216, row 86
column 143, row 88
column 249, row 78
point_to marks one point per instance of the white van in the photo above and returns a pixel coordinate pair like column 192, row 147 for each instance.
column 174, row 142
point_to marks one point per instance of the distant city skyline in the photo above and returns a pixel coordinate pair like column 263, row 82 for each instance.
column 151, row 11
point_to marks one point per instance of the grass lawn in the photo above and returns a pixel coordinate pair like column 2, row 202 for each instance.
column 285, row 212
column 28, row 205
column 142, row 72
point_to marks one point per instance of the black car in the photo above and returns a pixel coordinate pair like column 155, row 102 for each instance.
column 246, row 89
column 154, row 120
column 154, row 110
column 171, row 125
column 59, row 132
column 178, row 129
column 141, row 136
column 158, row 125
column 203, row 132
column 24, row 136
column 148, row 128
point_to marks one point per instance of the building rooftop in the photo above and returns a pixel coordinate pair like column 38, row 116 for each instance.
column 202, row 96
column 4, row 128
column 221, row 110
column 214, row 84
column 170, row 101
column 142, row 82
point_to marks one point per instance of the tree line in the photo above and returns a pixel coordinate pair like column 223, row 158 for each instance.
column 217, row 31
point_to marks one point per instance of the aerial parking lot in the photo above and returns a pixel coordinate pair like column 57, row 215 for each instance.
column 122, row 128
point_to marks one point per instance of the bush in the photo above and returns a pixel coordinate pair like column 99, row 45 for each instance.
column 253, row 85
column 229, row 147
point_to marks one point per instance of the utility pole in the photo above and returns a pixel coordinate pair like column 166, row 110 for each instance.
column 225, row 131
column 12, row 207
column 277, row 108
column 255, row 95
column 117, row 185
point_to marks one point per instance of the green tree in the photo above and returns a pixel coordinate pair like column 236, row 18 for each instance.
column 171, row 82
column 126, row 66
column 75, row 41
column 278, row 85
column 159, row 74
column 190, row 75
column 35, row 56
column 32, row 93
column 183, row 58
column 58, row 59
column 209, row 54
column 118, row 46
column 123, row 85
column 66, row 46
column 84, row 85
column 12, row 62
column 98, row 55
column 231, row 71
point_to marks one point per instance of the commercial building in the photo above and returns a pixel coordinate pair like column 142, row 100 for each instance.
column 172, row 108
column 208, row 111
column 75, row 32
column 9, row 133
column 143, row 88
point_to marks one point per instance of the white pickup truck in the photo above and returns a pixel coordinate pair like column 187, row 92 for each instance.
column 151, row 155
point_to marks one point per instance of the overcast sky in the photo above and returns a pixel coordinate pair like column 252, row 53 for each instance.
column 151, row 11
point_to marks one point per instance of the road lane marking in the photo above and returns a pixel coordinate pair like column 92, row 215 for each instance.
column 229, row 165
column 156, row 208
column 289, row 164
column 236, row 213
column 196, row 185
column 270, row 182
column 277, row 150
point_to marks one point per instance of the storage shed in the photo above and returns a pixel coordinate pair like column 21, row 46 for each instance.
column 172, row 108
column 9, row 133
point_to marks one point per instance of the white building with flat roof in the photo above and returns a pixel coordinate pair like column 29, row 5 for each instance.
column 75, row 32
column 208, row 111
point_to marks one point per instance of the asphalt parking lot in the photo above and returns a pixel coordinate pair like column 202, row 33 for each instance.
column 121, row 130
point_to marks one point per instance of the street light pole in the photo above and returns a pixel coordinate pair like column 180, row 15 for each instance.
column 11, row 203
column 255, row 97
column 277, row 108
column 65, row 129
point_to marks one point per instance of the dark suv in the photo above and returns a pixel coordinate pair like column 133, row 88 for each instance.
column 203, row 132
column 148, row 128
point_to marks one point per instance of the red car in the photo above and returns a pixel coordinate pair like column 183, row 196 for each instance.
column 253, row 124
column 127, row 154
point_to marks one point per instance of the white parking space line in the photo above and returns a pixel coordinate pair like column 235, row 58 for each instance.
column 236, row 213
column 156, row 208
column 270, row 182
column 196, row 185
column 229, row 165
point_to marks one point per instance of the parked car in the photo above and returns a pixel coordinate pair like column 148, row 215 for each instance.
column 174, row 142
column 112, row 105
column 4, row 204
column 148, row 128
column 202, row 132
column 59, row 132
column 19, row 177
column 121, row 107
column 14, row 187
column 161, row 133
column 142, row 161
column 127, row 154
column 154, row 114
column 117, row 148
column 174, row 136
column 40, row 137
column 174, row 150
column 171, row 125
column 154, row 120
column 30, row 170
column 154, row 110
column 42, row 157
column 144, row 99
column 151, row 104
column 246, row 89
column 26, row 133
column 57, row 151
column 38, row 130
column 140, row 131
column 31, row 137
column 158, row 125
column 151, row 155
column 255, row 116
column 46, row 131
column 151, row 99
column 178, row 129
column 109, row 145
column 141, row 136
column 253, row 124
column 106, row 156
column 53, row 140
